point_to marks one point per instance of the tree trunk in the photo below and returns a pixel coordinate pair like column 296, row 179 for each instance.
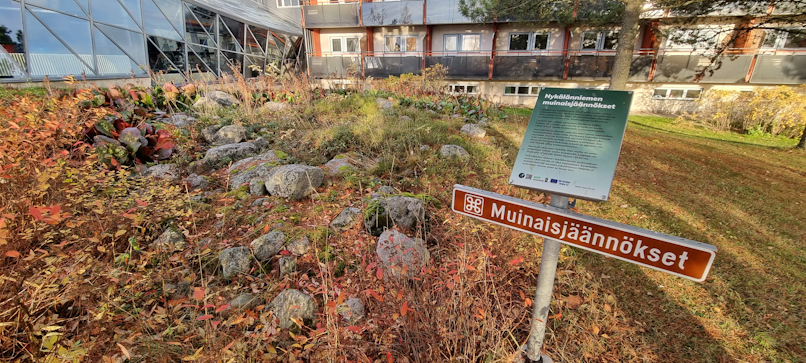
column 802, row 142
column 626, row 44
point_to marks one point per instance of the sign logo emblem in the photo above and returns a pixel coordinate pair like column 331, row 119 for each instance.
column 474, row 204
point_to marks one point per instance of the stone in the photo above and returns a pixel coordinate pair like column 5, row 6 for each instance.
column 338, row 165
column 345, row 219
column 260, row 172
column 398, row 252
column 483, row 123
column 232, row 151
column 385, row 189
column 383, row 103
column 262, row 158
column 292, row 303
column 231, row 134
column 196, row 181
column 206, row 104
column 261, row 143
column 257, row 186
column 244, row 301
column 405, row 118
column 259, row 202
column 473, row 130
column 451, row 151
column 208, row 133
column 274, row 106
column 300, row 246
column 168, row 172
column 288, row 265
column 181, row 120
column 222, row 98
column 352, row 310
column 425, row 147
column 268, row 245
column 402, row 211
column 235, row 261
column 170, row 240
column 294, row 181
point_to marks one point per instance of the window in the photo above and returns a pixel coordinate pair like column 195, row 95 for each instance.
column 521, row 90
column 462, row 42
column 785, row 39
column 677, row 93
column 287, row 3
column 400, row 43
column 529, row 41
column 462, row 89
column 698, row 38
column 596, row 40
column 344, row 45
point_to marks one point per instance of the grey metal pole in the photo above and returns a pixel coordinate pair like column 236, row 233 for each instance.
column 545, row 287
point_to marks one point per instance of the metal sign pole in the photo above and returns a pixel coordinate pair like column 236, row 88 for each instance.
column 545, row 287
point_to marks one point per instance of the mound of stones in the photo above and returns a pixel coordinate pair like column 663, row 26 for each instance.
column 384, row 213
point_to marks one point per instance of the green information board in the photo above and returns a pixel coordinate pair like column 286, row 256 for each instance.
column 572, row 143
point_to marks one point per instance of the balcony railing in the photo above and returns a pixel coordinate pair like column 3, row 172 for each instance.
column 381, row 65
column 334, row 66
column 462, row 65
column 512, row 65
column 686, row 67
column 321, row 14
column 780, row 68
column 445, row 12
column 407, row 12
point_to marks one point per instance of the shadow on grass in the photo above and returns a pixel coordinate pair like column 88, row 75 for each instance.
column 743, row 143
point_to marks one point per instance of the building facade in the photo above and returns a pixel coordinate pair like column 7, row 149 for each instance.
column 113, row 39
column 508, row 62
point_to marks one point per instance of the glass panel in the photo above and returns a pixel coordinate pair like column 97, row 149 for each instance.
column 71, row 30
column 519, row 41
column 352, row 45
column 523, row 90
column 254, row 66
column 156, row 23
column 230, row 34
column 335, row 44
column 231, row 63
column 12, row 54
column 771, row 39
column 534, row 90
column 471, row 89
column 110, row 11
column 589, row 40
column 272, row 49
column 130, row 41
column 510, row 90
column 676, row 93
column 693, row 93
column 471, row 42
column 65, row 6
column 610, row 40
column 541, row 41
column 111, row 59
column 201, row 59
column 83, row 4
column 411, row 44
column 134, row 9
column 393, row 44
column 255, row 42
column 795, row 40
column 51, row 57
column 451, row 42
column 166, row 55
column 201, row 18
column 196, row 26
column 659, row 93
column 172, row 10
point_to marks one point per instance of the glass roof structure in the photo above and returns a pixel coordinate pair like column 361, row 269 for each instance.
column 98, row 39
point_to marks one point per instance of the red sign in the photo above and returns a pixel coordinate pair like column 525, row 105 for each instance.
column 674, row 255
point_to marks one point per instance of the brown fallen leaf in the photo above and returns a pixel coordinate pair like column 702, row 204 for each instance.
column 573, row 302
column 594, row 329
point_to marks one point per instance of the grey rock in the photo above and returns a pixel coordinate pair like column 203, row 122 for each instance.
column 257, row 186
column 208, row 133
column 244, row 301
column 300, row 246
column 234, row 261
column 170, row 240
column 291, row 303
column 473, row 130
column 345, row 219
column 483, row 123
column 383, row 103
column 405, row 118
column 259, row 202
column 206, row 104
column 196, row 181
column 425, row 148
column 268, row 245
column 222, row 98
column 243, row 165
column 261, row 143
column 398, row 252
column 451, row 151
column 337, row 165
column 274, row 106
column 387, row 190
column 250, row 174
column 402, row 211
column 181, row 120
column 199, row 199
column 352, row 310
column 232, row 151
column 294, row 181
column 288, row 265
column 231, row 134
column 167, row 172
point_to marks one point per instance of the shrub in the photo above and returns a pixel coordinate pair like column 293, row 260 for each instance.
column 776, row 111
